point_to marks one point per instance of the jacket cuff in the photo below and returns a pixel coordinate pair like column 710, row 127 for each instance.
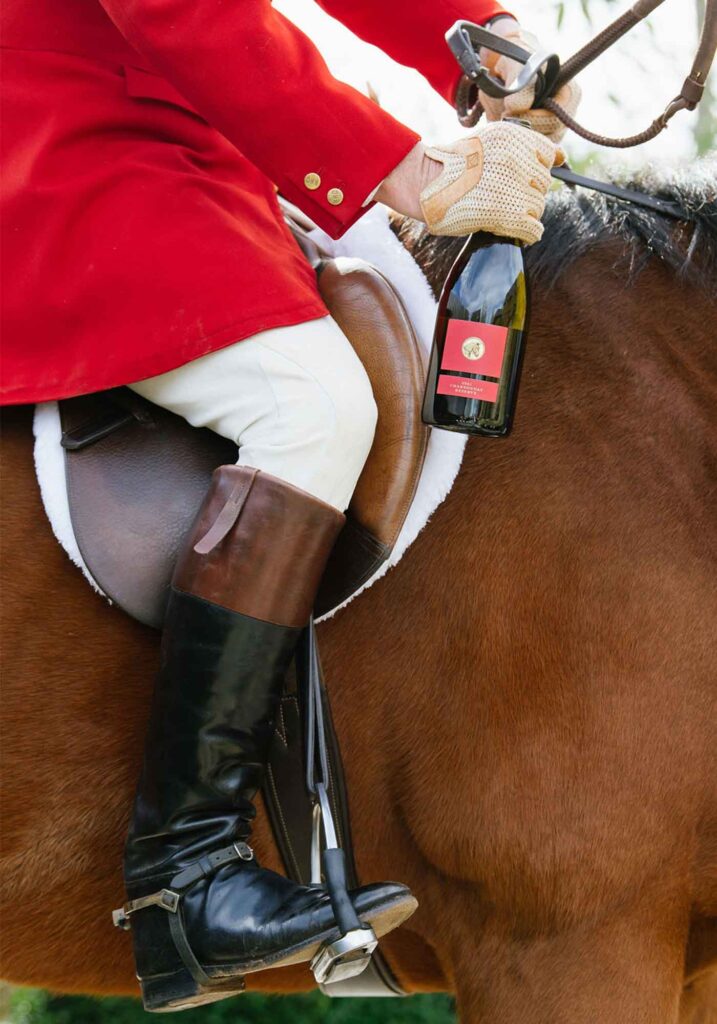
column 333, row 188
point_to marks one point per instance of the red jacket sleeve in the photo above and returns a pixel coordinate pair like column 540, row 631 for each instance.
column 261, row 82
column 414, row 33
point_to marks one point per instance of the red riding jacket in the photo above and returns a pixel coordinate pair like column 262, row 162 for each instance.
column 142, row 142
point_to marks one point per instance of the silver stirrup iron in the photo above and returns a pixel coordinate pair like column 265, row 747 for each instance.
column 350, row 954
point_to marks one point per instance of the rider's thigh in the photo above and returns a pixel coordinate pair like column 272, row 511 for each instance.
column 296, row 400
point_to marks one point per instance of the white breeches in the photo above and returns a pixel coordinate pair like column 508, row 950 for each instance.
column 296, row 400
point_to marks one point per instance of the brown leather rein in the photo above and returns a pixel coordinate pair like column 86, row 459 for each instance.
column 687, row 99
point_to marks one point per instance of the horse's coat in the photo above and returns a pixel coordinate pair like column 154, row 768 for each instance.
column 526, row 703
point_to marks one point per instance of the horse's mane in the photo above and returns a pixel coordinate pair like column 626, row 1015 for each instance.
column 576, row 219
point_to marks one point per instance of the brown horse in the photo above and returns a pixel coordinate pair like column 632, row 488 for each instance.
column 526, row 703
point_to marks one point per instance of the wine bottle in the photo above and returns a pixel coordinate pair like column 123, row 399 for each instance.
column 478, row 341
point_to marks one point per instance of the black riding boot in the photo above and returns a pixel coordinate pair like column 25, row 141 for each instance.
column 202, row 910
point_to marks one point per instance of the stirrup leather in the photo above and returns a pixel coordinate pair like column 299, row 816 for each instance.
column 350, row 954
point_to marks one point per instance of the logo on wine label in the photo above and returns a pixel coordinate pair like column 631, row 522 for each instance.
column 473, row 348
column 467, row 351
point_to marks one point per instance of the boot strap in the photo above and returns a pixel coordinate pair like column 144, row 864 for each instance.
column 168, row 899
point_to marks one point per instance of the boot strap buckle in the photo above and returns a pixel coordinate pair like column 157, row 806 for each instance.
column 168, row 899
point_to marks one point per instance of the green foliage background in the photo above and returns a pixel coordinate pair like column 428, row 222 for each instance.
column 31, row 1006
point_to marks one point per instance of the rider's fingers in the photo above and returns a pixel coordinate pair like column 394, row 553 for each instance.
column 569, row 96
column 493, row 107
column 540, row 181
column 540, row 175
column 520, row 103
column 545, row 122
column 531, row 229
column 547, row 152
column 535, row 201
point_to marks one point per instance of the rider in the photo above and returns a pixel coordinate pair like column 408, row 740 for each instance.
column 144, row 245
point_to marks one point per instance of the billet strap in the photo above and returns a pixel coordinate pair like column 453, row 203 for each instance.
column 169, row 899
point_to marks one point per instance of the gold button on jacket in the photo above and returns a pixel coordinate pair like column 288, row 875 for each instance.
column 312, row 181
column 335, row 196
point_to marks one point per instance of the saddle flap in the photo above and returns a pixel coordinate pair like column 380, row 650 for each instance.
column 134, row 492
column 136, row 474
column 372, row 316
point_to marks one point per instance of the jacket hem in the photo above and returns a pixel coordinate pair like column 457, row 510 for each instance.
column 162, row 362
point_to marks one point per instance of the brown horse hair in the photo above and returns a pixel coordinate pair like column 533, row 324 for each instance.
column 577, row 219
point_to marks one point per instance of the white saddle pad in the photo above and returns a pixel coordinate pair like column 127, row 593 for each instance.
column 370, row 239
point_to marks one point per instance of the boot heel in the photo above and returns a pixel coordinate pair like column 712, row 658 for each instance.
column 169, row 992
column 179, row 991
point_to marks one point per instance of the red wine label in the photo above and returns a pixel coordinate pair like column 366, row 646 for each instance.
column 474, row 348
column 467, row 387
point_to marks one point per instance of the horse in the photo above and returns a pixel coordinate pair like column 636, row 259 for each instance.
column 525, row 703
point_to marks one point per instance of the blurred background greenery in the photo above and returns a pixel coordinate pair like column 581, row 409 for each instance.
column 31, row 1006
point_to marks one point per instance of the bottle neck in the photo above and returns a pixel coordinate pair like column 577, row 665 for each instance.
column 483, row 239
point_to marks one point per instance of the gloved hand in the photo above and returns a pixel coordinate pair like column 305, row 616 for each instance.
column 494, row 180
column 520, row 104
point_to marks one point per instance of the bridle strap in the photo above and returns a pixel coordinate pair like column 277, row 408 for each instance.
column 687, row 99
column 694, row 85
column 604, row 40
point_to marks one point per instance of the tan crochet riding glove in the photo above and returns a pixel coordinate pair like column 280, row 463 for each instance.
column 520, row 105
column 494, row 180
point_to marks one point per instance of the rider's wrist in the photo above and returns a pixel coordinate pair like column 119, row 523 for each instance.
column 402, row 188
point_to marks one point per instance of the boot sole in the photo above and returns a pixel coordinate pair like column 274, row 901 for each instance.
column 179, row 991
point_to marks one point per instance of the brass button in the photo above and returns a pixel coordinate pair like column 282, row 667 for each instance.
column 335, row 196
column 312, row 181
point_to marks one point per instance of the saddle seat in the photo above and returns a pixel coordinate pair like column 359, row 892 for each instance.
column 136, row 474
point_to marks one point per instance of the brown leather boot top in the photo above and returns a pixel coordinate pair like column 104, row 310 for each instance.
column 258, row 546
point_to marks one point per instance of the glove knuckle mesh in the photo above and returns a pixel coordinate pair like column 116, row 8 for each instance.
column 501, row 198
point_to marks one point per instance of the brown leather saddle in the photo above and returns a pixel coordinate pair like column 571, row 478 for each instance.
column 137, row 474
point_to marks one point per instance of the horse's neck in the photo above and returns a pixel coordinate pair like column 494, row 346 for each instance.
column 619, row 374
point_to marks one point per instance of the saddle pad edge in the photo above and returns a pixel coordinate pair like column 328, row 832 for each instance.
column 49, row 459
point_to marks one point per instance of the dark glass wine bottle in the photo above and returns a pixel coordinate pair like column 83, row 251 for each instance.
column 478, row 342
